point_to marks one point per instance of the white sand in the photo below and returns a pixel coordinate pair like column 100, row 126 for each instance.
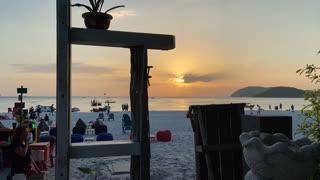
column 169, row 160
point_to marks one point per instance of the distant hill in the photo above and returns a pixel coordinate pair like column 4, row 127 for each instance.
column 257, row 91
column 250, row 91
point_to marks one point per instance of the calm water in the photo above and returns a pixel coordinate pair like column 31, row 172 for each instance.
column 155, row 103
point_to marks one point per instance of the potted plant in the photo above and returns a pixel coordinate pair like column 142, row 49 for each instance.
column 95, row 18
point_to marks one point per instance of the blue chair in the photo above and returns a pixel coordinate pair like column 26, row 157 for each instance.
column 101, row 116
column 104, row 137
column 76, row 138
column 126, row 123
column 111, row 116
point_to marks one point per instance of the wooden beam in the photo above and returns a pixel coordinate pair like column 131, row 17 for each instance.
column 63, row 89
column 104, row 148
column 140, row 165
column 122, row 39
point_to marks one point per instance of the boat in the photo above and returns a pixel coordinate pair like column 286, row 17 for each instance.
column 248, row 105
column 75, row 109
column 95, row 103
column 109, row 101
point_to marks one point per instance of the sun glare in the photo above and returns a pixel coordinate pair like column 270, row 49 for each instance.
column 179, row 79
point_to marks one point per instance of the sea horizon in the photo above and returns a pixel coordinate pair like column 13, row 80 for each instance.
column 156, row 103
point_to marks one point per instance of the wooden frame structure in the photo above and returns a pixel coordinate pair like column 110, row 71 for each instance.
column 138, row 43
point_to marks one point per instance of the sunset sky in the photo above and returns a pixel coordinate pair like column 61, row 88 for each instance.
column 221, row 46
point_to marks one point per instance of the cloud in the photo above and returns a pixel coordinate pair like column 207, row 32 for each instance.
column 124, row 13
column 51, row 68
column 190, row 78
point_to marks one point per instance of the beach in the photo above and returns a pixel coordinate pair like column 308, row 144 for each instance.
column 169, row 160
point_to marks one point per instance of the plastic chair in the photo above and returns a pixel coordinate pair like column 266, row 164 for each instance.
column 104, row 137
column 76, row 138
column 52, row 140
column 53, row 132
column 111, row 116
column 101, row 116
column 126, row 123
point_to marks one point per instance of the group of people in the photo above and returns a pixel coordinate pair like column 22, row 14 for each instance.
column 97, row 125
column 280, row 107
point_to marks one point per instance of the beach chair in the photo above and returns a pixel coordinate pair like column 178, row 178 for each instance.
column 111, row 116
column 101, row 116
column 76, row 138
column 104, row 137
column 126, row 123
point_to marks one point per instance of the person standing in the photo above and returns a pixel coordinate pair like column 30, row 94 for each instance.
column 51, row 109
column 38, row 110
column 280, row 106
column 108, row 109
column 292, row 108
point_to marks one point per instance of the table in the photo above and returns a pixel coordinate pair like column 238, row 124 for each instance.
column 45, row 146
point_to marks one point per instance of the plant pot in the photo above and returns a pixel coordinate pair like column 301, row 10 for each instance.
column 97, row 20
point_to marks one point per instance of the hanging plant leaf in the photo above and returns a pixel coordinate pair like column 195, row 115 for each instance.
column 87, row 170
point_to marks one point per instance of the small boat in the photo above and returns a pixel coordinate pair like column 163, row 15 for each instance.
column 248, row 105
column 110, row 101
column 95, row 103
column 75, row 109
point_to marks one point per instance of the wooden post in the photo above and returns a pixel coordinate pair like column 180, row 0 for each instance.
column 140, row 166
column 63, row 89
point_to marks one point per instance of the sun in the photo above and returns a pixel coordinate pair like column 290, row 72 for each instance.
column 179, row 79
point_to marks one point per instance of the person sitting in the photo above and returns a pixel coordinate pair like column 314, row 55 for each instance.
column 80, row 127
column 99, row 127
column 21, row 153
column 42, row 126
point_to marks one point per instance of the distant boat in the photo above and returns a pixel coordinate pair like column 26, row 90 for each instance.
column 95, row 103
column 75, row 109
column 110, row 101
column 248, row 105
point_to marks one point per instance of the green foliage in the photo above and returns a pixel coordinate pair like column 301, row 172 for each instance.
column 96, row 6
column 88, row 171
column 310, row 127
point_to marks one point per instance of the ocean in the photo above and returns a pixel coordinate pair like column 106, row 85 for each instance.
column 155, row 103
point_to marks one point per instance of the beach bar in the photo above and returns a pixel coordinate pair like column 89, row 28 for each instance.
column 138, row 43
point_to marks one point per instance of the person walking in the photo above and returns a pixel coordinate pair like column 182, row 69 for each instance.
column 52, row 109
column 292, row 107
column 108, row 109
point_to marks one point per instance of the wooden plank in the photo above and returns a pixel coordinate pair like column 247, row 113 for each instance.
column 140, row 167
column 104, row 148
column 122, row 39
column 63, row 89
column 204, row 134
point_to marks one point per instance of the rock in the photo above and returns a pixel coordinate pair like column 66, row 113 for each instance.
column 276, row 157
